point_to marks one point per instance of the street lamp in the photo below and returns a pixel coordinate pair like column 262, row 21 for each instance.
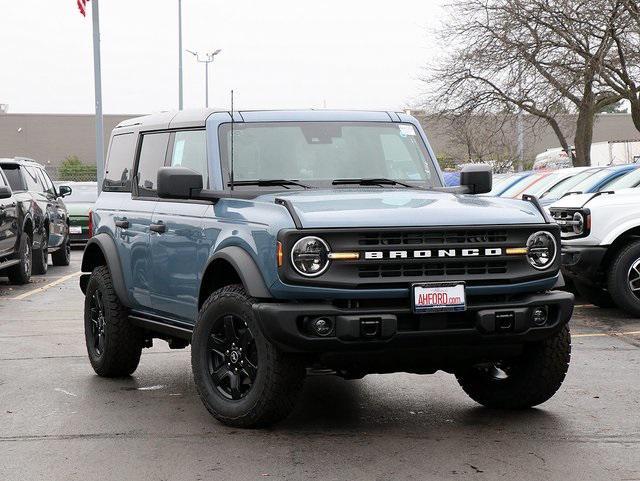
column 206, row 61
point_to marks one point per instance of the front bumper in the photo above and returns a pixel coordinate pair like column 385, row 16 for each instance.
column 287, row 324
column 582, row 261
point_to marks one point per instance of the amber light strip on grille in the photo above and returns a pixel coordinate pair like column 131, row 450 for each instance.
column 280, row 254
column 344, row 256
column 517, row 251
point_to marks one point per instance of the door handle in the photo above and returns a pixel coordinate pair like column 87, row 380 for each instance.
column 160, row 227
column 123, row 224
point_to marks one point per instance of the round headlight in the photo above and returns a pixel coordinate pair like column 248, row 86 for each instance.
column 310, row 256
column 578, row 227
column 542, row 249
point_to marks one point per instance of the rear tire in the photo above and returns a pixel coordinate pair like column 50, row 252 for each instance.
column 62, row 257
column 113, row 344
column 41, row 257
column 521, row 383
column 21, row 273
column 243, row 380
column 624, row 276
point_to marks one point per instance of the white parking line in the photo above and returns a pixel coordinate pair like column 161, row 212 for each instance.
column 605, row 334
column 45, row 287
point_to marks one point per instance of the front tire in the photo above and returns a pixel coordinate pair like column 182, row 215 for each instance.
column 623, row 279
column 243, row 380
column 21, row 273
column 113, row 344
column 62, row 257
column 521, row 383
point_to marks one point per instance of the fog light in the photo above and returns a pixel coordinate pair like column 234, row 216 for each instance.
column 322, row 326
column 539, row 315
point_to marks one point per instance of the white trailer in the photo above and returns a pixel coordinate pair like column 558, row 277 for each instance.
column 612, row 152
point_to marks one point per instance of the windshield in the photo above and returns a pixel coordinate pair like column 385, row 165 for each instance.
column 546, row 183
column 568, row 184
column 630, row 180
column 12, row 173
column 82, row 194
column 500, row 181
column 317, row 153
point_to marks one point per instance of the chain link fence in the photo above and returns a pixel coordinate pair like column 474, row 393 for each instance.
column 72, row 169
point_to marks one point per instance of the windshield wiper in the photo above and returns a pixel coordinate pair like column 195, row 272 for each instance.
column 373, row 181
column 268, row 182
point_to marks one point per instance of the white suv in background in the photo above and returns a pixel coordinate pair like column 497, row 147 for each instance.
column 601, row 246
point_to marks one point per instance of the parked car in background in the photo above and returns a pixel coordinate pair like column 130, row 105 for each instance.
column 502, row 182
column 31, row 184
column 79, row 203
column 592, row 180
column 16, row 231
column 544, row 181
column 627, row 181
column 601, row 246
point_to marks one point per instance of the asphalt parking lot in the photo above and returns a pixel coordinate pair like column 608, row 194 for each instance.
column 58, row 420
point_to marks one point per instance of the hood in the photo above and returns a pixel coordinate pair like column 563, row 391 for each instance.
column 403, row 208
column 622, row 196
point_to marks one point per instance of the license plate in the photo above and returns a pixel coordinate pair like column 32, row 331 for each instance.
column 75, row 229
column 438, row 297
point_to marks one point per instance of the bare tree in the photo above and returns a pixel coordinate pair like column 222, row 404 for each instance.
column 522, row 53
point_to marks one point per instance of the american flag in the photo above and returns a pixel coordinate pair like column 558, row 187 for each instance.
column 82, row 6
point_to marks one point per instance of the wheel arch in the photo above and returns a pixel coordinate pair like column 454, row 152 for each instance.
column 232, row 265
column 101, row 250
column 623, row 239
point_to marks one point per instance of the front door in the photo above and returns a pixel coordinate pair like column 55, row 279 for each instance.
column 178, row 252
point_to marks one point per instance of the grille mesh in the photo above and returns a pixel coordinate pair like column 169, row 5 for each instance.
column 431, row 269
column 432, row 237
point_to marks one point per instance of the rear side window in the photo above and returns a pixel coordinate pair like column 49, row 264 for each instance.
column 153, row 155
column 34, row 184
column 2, row 182
column 190, row 150
column 12, row 172
column 117, row 176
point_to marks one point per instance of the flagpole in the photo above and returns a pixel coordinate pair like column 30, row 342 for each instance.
column 95, row 14
column 180, row 97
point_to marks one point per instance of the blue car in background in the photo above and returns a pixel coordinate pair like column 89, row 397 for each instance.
column 502, row 184
column 451, row 179
column 587, row 182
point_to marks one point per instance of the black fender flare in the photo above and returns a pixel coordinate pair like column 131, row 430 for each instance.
column 101, row 249
column 246, row 268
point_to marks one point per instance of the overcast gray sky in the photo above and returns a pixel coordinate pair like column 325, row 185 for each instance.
column 275, row 54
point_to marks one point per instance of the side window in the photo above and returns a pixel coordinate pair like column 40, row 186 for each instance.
column 117, row 176
column 153, row 154
column 2, row 182
column 34, row 184
column 190, row 150
column 46, row 181
column 14, row 177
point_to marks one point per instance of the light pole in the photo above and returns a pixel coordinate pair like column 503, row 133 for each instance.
column 206, row 61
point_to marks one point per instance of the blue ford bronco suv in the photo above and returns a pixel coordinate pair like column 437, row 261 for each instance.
column 278, row 243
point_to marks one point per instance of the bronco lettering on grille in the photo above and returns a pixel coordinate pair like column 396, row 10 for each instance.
column 432, row 253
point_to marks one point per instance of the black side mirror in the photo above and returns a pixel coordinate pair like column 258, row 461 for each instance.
column 64, row 190
column 5, row 192
column 477, row 178
column 178, row 183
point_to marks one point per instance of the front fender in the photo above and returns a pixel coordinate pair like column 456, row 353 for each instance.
column 246, row 268
column 618, row 230
column 101, row 250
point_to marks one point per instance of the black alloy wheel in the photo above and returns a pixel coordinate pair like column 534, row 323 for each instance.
column 96, row 306
column 232, row 357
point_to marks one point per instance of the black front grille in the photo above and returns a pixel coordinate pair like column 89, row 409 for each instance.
column 432, row 237
column 438, row 269
column 391, row 257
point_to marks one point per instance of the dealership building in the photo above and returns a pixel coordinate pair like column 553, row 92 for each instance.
column 50, row 138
